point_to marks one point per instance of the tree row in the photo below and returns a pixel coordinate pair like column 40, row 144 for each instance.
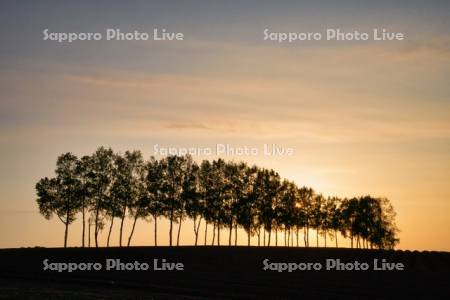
column 220, row 196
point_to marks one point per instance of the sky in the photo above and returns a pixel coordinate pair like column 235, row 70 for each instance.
column 363, row 117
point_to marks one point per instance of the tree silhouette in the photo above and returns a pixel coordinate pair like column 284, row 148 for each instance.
column 194, row 204
column 156, row 195
column 268, row 200
column 173, row 172
column 231, row 173
column 205, row 182
column 100, row 180
column 335, row 223
column 189, row 192
column 126, row 182
column 227, row 195
column 137, row 206
column 85, row 190
column 60, row 195
column 306, row 196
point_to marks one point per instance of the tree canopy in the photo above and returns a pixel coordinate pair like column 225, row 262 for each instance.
column 226, row 195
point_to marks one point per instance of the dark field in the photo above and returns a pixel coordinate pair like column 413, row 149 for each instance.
column 222, row 273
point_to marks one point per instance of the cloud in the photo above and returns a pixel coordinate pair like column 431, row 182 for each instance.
column 187, row 126
column 351, row 93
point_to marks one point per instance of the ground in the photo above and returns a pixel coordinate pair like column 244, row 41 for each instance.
column 222, row 273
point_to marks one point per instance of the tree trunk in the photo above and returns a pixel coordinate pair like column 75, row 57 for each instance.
column 206, row 230
column 218, row 234
column 198, row 230
column 178, row 234
column 171, row 226
column 325, row 238
column 96, row 229
column 270, row 233
column 307, row 234
column 89, row 233
column 264, row 237
column 231, row 232
column 132, row 231
column 304, row 235
column 297, row 236
column 235, row 233
column 276, row 237
column 248, row 237
column 290, row 237
column 195, row 229
column 336, row 237
column 109, row 232
column 84, row 225
column 214, row 234
column 259, row 236
column 156, row 229
column 317, row 237
column 66, row 232
column 121, row 227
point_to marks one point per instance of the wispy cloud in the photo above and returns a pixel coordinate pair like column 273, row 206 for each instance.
column 187, row 126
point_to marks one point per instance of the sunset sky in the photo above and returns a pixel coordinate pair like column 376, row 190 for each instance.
column 363, row 117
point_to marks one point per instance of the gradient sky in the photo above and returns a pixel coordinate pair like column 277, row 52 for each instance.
column 363, row 117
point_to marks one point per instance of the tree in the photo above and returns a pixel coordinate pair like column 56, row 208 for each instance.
column 287, row 209
column 259, row 198
column 139, row 207
column 205, row 182
column 126, row 180
column 306, row 196
column 192, row 197
column 349, row 214
column 246, row 213
column 112, row 210
column 298, row 214
column 189, row 194
column 328, row 210
column 369, row 220
column 60, row 195
column 241, row 188
column 233, row 174
column 85, row 190
column 174, row 172
column 272, row 184
column 156, row 194
column 221, row 198
column 383, row 230
column 335, row 216
column 100, row 179
column 225, row 194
